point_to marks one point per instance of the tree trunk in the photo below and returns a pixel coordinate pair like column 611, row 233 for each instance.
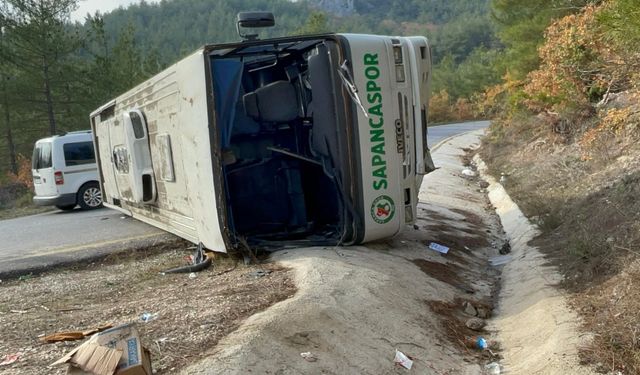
column 47, row 94
column 11, row 147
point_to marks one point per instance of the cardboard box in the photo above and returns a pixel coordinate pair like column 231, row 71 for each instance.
column 116, row 351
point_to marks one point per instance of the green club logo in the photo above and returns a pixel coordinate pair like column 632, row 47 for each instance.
column 382, row 209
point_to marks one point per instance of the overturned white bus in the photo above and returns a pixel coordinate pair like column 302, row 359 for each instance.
column 302, row 140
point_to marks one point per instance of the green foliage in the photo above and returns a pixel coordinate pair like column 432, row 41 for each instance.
column 622, row 23
column 521, row 25
column 316, row 24
column 93, row 61
column 471, row 76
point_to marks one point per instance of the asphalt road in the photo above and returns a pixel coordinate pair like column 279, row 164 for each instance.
column 34, row 243
column 438, row 133
column 30, row 243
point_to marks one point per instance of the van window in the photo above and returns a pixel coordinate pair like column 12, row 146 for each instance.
column 41, row 156
column 78, row 153
column 138, row 127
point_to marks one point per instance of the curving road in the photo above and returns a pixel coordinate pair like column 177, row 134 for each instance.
column 34, row 243
column 438, row 133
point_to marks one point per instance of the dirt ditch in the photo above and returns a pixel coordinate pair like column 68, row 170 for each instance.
column 193, row 313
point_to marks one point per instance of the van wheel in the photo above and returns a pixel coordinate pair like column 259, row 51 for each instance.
column 90, row 196
column 68, row 207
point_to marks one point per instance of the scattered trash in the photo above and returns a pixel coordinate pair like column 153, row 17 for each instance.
column 26, row 277
column 147, row 317
column 259, row 273
column 117, row 349
column 481, row 343
column 500, row 260
column 439, row 248
column 123, row 217
column 18, row 311
column 308, row 357
column 506, row 248
column 402, row 360
column 74, row 335
column 475, row 324
column 200, row 260
column 492, row 368
column 503, row 179
column 192, row 275
column 10, row 358
column 468, row 173
column 469, row 309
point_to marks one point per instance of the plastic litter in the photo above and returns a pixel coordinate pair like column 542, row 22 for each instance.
column 192, row 275
column 500, row 260
column 402, row 360
column 147, row 317
column 10, row 358
column 492, row 368
column 308, row 357
column 468, row 172
column 481, row 343
column 439, row 248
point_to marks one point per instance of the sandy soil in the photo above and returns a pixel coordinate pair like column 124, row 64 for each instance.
column 193, row 313
column 355, row 306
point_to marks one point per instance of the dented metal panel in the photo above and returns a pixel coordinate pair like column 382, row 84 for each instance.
column 174, row 104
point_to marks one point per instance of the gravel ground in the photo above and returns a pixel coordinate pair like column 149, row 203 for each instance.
column 193, row 313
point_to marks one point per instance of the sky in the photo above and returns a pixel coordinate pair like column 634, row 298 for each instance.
column 90, row 6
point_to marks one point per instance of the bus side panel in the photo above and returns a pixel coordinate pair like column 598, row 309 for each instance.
column 381, row 163
column 174, row 104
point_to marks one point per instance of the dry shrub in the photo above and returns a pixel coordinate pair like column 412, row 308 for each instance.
column 613, row 311
column 23, row 176
column 440, row 107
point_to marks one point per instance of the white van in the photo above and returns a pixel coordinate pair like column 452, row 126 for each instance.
column 302, row 140
column 65, row 173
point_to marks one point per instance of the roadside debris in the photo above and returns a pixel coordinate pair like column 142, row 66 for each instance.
column 402, row 360
column 475, row 324
column 308, row 357
column 469, row 309
column 468, row 173
column 74, row 335
column 500, row 260
column 483, row 312
column 439, row 248
column 492, row 368
column 258, row 273
column 10, row 358
column 115, row 351
column 147, row 317
column 481, row 343
column 506, row 248
column 200, row 260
